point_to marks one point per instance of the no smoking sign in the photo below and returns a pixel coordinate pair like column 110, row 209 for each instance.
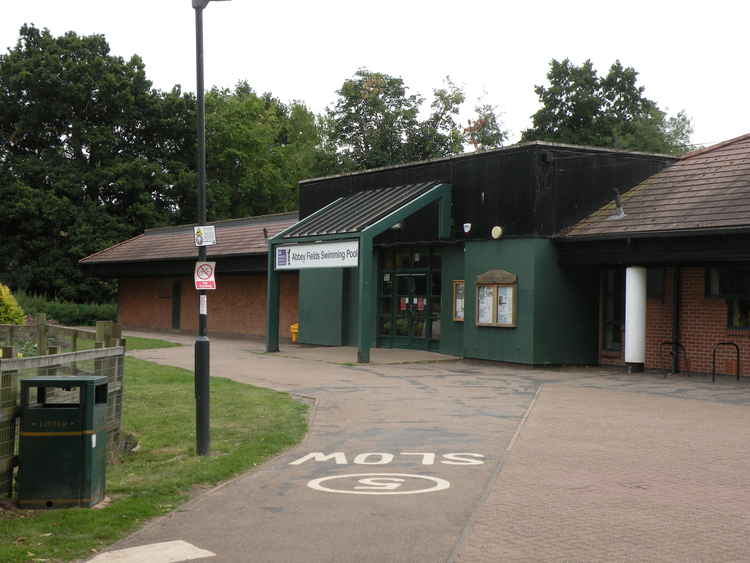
column 204, row 275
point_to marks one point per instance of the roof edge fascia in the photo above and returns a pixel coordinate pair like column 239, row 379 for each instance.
column 708, row 231
column 509, row 148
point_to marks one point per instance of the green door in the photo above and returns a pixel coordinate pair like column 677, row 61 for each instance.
column 409, row 299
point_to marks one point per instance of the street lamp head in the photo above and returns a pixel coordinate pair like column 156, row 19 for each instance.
column 200, row 4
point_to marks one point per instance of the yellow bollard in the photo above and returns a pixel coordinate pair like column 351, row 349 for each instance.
column 294, row 329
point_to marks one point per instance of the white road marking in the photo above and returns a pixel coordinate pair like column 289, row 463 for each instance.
column 462, row 459
column 164, row 552
column 384, row 458
column 428, row 458
column 381, row 458
column 379, row 484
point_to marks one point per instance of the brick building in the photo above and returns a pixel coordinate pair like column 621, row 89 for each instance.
column 155, row 273
column 686, row 227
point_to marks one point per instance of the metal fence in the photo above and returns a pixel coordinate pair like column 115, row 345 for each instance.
column 102, row 361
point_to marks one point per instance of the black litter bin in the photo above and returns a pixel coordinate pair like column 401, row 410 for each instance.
column 63, row 442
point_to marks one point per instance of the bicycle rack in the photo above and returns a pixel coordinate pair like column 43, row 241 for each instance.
column 680, row 346
column 713, row 368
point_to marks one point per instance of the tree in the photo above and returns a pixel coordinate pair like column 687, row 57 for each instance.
column 84, row 161
column 91, row 154
column 372, row 120
column 439, row 134
column 376, row 122
column 258, row 148
column 485, row 132
column 582, row 108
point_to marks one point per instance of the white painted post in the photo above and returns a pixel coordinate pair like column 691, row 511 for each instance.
column 635, row 317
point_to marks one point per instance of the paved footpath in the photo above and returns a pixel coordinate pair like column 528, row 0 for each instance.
column 512, row 464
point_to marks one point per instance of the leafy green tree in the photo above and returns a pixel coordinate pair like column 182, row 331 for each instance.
column 82, row 160
column 580, row 107
column 258, row 148
column 376, row 122
column 439, row 134
column 372, row 120
column 485, row 131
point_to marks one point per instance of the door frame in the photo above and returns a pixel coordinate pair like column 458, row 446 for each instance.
column 390, row 299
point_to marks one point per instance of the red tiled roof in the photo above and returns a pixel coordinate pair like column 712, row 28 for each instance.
column 706, row 190
column 233, row 237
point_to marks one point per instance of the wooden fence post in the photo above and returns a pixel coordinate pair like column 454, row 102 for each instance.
column 116, row 334
column 104, row 332
column 41, row 334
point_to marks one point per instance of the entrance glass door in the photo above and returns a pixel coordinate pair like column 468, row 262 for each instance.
column 409, row 299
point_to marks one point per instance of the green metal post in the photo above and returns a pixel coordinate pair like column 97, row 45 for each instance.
column 272, row 302
column 366, row 299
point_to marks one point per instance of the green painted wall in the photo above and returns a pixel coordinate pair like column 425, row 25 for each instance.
column 565, row 323
column 320, row 306
column 556, row 314
column 451, row 332
column 495, row 343
column 349, row 320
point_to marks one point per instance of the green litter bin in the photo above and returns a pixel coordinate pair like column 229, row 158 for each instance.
column 63, row 442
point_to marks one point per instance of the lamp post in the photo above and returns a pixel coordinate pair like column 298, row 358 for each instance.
column 202, row 434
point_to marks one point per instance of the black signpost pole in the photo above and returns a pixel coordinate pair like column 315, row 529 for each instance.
column 202, row 388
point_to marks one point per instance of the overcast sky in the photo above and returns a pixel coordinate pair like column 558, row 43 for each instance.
column 690, row 55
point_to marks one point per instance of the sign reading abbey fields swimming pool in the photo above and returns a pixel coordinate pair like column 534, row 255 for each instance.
column 343, row 254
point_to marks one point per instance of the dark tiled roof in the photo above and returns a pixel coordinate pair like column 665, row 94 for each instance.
column 353, row 213
column 234, row 237
column 706, row 190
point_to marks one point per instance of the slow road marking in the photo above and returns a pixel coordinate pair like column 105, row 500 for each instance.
column 163, row 552
column 379, row 484
column 384, row 458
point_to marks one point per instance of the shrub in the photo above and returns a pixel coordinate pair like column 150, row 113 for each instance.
column 10, row 312
column 67, row 313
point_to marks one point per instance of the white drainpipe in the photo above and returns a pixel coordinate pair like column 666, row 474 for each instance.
column 635, row 317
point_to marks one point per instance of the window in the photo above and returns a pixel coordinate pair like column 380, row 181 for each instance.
column 613, row 309
column 731, row 283
column 497, row 299
column 728, row 281
column 738, row 313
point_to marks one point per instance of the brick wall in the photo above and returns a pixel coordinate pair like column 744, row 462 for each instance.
column 703, row 323
column 659, row 327
column 146, row 303
column 236, row 307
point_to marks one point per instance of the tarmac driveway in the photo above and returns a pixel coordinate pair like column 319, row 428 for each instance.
column 408, row 462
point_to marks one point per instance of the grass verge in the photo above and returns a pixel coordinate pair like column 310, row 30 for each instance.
column 248, row 425
column 133, row 343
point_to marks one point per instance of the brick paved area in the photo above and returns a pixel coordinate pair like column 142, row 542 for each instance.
column 617, row 469
column 603, row 466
